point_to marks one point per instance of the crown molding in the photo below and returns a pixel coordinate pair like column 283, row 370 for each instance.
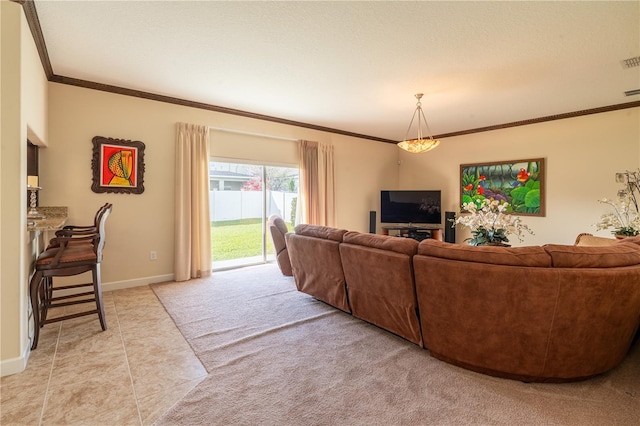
column 36, row 31
column 201, row 105
column 527, row 122
column 31, row 14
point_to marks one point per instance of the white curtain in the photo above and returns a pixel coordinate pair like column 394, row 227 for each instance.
column 193, row 222
column 317, row 184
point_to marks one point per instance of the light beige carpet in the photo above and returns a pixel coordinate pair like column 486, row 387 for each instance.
column 276, row 356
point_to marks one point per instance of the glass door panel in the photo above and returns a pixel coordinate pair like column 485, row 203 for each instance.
column 240, row 206
column 281, row 199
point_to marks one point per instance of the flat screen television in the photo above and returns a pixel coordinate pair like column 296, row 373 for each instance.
column 420, row 207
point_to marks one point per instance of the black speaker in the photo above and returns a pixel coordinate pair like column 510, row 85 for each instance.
column 372, row 222
column 449, row 231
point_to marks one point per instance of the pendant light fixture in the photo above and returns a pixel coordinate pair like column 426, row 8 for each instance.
column 419, row 144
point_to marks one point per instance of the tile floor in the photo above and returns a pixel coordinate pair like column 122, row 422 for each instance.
column 128, row 375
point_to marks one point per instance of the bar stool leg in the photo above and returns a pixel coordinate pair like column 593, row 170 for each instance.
column 49, row 294
column 97, row 291
column 34, row 289
column 45, row 297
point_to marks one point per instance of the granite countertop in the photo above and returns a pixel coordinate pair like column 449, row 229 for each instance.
column 54, row 219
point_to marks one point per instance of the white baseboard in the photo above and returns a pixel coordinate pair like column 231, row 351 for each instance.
column 137, row 282
column 14, row 365
column 119, row 285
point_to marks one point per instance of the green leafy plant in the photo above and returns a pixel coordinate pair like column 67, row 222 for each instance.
column 294, row 209
column 483, row 236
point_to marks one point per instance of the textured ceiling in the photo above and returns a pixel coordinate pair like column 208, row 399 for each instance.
column 355, row 66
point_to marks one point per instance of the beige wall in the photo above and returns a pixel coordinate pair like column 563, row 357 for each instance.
column 23, row 113
column 34, row 91
column 141, row 223
column 582, row 155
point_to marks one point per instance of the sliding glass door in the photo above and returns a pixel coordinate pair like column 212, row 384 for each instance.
column 242, row 197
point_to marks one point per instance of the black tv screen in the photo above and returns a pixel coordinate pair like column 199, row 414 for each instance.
column 421, row 207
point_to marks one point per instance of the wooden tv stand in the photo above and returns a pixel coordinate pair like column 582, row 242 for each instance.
column 416, row 232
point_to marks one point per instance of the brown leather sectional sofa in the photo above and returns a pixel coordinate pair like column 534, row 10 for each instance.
column 545, row 313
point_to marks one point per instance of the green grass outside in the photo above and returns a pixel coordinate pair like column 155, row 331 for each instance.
column 233, row 239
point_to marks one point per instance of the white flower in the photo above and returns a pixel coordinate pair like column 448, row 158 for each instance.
column 492, row 218
column 624, row 219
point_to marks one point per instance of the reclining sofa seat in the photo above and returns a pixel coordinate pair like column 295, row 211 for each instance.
column 380, row 283
column 551, row 313
column 314, row 252
column 278, row 230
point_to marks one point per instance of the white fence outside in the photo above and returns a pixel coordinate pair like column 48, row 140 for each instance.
column 236, row 205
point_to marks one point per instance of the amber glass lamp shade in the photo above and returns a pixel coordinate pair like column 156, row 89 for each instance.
column 419, row 144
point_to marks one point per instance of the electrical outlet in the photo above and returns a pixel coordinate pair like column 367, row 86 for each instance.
column 153, row 255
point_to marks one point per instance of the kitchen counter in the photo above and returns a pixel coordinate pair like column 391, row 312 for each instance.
column 54, row 219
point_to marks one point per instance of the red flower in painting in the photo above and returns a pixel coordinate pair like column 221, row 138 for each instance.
column 482, row 177
column 480, row 190
column 523, row 176
column 468, row 187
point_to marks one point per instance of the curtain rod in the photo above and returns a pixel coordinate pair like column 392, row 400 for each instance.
column 261, row 135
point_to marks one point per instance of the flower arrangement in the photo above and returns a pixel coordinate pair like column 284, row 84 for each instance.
column 491, row 222
column 625, row 217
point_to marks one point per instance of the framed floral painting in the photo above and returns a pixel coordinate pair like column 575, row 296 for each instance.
column 118, row 165
column 521, row 183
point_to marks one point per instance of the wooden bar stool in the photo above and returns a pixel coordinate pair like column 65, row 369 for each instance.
column 78, row 230
column 68, row 255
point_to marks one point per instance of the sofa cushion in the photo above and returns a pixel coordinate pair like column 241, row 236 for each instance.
column 406, row 246
column 318, row 231
column 630, row 240
column 617, row 255
column 512, row 256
